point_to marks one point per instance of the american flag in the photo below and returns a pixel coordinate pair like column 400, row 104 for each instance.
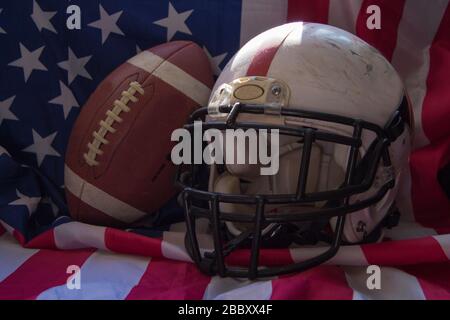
column 47, row 72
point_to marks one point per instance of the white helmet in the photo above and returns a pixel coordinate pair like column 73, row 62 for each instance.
column 344, row 124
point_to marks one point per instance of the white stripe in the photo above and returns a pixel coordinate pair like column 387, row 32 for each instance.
column 99, row 199
column 444, row 241
column 408, row 230
column 172, row 75
column 3, row 151
column 173, row 247
column 237, row 289
column 12, row 255
column 7, row 227
column 173, row 244
column 411, row 58
column 347, row 255
column 344, row 13
column 395, row 284
column 76, row 235
column 261, row 15
column 103, row 276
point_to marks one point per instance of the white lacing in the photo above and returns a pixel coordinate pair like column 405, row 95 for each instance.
column 106, row 125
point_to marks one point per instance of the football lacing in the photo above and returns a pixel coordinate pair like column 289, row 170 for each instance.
column 106, row 125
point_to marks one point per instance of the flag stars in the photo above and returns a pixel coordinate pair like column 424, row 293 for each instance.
column 29, row 61
column 66, row 99
column 1, row 29
column 42, row 18
column 30, row 203
column 5, row 110
column 107, row 23
column 175, row 22
column 215, row 61
column 42, row 147
column 3, row 151
column 75, row 66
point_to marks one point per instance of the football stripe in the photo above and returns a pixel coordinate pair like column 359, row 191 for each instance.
column 172, row 75
column 99, row 199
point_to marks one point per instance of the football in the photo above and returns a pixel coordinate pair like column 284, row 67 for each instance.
column 118, row 168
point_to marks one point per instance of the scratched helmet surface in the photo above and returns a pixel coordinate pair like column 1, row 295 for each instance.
column 343, row 119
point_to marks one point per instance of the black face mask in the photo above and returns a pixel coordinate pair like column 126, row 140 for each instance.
column 265, row 230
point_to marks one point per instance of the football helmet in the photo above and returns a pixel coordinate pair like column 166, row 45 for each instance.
column 343, row 120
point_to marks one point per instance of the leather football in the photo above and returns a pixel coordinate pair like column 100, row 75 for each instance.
column 118, row 168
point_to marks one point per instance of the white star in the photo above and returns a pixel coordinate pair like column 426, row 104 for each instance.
column 66, row 99
column 30, row 202
column 29, row 61
column 107, row 23
column 1, row 29
column 42, row 147
column 138, row 49
column 3, row 151
column 175, row 22
column 5, row 112
column 75, row 66
column 215, row 61
column 42, row 18
column 53, row 206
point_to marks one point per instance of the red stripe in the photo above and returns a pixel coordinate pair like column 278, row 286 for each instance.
column 45, row 240
column 307, row 10
column 131, row 243
column 267, row 257
column 431, row 205
column 19, row 237
column 436, row 105
column 433, row 278
column 320, row 283
column 43, row 270
column 263, row 58
column 165, row 279
column 404, row 252
column 261, row 62
column 2, row 230
column 383, row 39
